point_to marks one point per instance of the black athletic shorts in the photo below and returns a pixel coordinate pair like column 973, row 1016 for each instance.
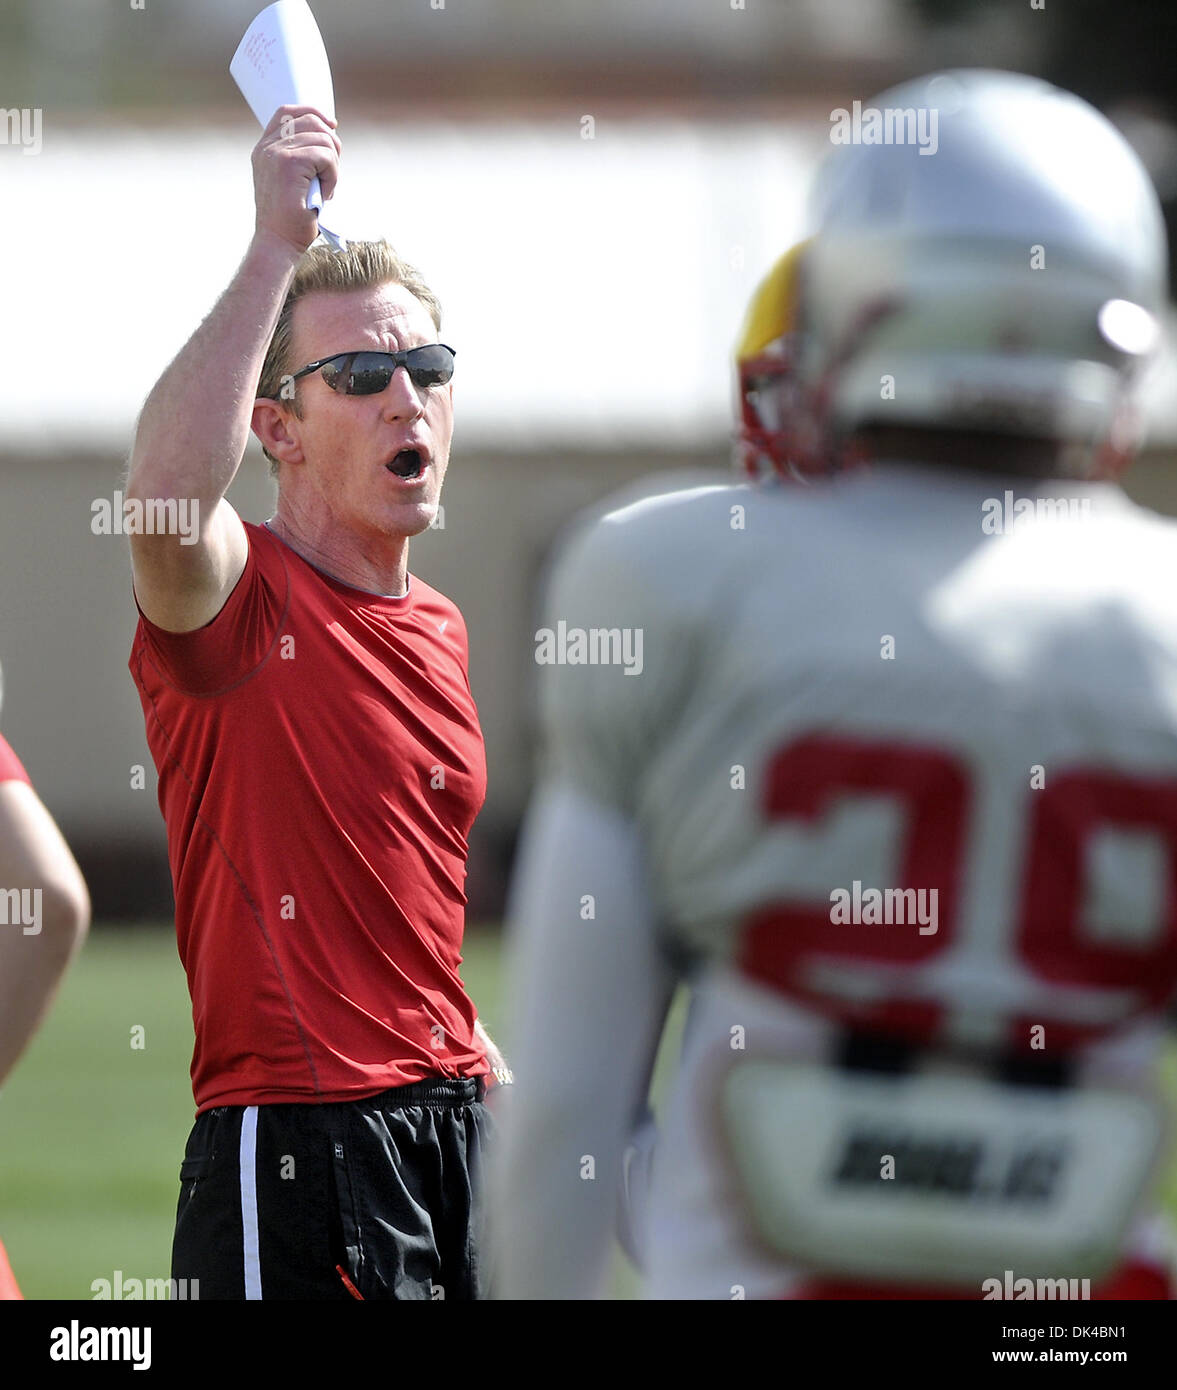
column 373, row 1198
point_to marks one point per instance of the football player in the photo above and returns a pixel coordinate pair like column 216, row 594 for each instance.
column 893, row 783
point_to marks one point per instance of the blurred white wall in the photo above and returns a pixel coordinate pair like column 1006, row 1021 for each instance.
column 592, row 287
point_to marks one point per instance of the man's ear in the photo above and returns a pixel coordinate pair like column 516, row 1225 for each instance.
column 276, row 427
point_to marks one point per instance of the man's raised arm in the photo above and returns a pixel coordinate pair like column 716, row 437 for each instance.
column 194, row 427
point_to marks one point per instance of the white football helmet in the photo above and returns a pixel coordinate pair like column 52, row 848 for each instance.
column 988, row 254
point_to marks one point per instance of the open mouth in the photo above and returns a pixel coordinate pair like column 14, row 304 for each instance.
column 407, row 464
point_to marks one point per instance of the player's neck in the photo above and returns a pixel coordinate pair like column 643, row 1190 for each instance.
column 976, row 452
column 376, row 564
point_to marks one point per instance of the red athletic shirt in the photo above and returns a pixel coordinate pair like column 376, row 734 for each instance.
column 320, row 765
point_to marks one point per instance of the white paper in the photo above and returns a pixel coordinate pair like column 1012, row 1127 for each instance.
column 282, row 61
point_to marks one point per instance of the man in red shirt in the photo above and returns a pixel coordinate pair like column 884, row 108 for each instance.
column 40, row 938
column 320, row 765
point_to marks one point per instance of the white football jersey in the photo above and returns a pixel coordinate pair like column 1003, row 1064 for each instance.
column 900, row 752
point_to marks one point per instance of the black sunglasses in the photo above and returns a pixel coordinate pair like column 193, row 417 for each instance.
column 367, row 373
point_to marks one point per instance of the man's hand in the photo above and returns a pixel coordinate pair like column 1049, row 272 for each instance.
column 299, row 144
column 500, row 1073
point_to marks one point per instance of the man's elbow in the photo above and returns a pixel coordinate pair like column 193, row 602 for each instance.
column 150, row 484
column 65, row 914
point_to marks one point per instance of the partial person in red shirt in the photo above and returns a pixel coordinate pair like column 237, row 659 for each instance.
column 320, row 765
column 46, row 911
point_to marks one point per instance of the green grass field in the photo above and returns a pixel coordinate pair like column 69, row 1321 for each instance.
column 92, row 1130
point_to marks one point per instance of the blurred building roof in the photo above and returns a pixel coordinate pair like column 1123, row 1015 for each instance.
column 75, row 54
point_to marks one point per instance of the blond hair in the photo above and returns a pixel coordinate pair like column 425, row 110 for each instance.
column 363, row 265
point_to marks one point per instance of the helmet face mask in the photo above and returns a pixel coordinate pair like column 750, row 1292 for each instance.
column 768, row 402
column 774, row 438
